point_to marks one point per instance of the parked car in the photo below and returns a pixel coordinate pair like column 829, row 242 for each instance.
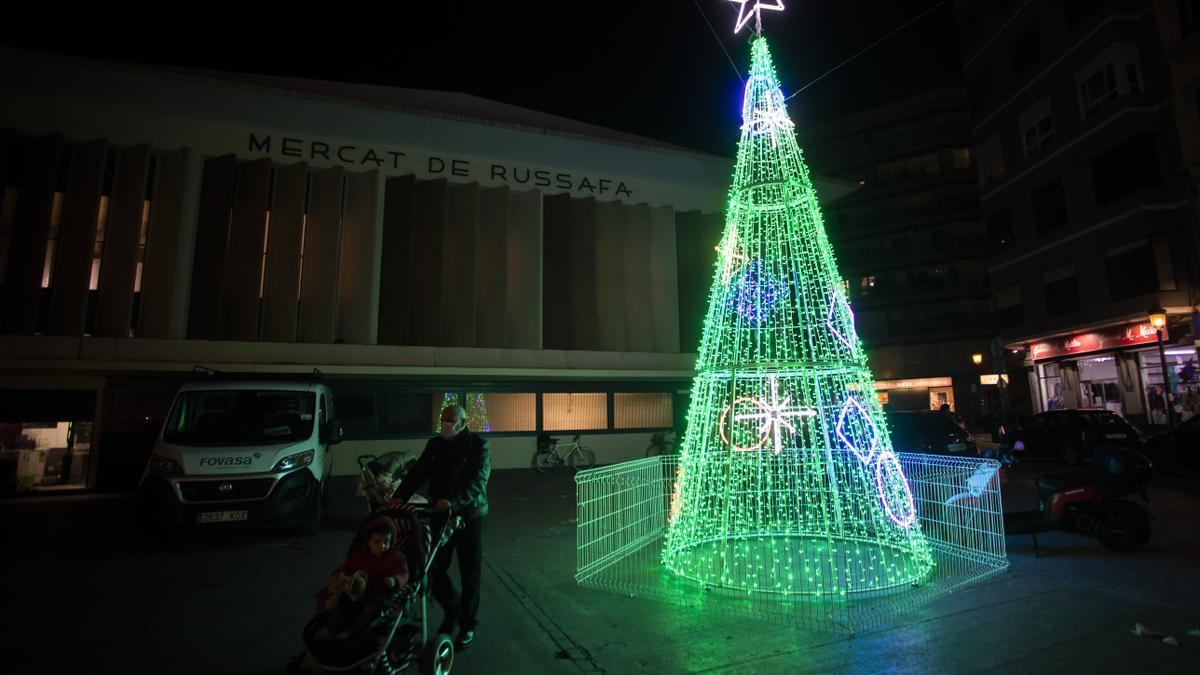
column 1177, row 450
column 1072, row 435
column 931, row 432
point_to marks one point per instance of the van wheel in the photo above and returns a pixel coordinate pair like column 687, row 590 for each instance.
column 311, row 525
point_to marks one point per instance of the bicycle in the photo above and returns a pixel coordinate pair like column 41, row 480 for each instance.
column 549, row 456
column 659, row 445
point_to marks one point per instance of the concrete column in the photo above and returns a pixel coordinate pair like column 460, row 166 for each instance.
column 395, row 275
column 319, row 268
column 579, row 271
column 246, row 237
column 76, row 238
column 31, row 229
column 162, row 245
column 7, row 210
column 1129, row 380
column 491, row 269
column 281, row 280
column 181, row 289
column 211, row 249
column 427, row 262
column 358, row 279
column 526, row 286
column 118, row 262
column 639, row 316
column 458, row 270
column 664, row 281
column 556, row 295
column 1070, row 383
column 610, row 277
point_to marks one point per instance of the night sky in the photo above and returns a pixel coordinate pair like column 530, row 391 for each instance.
column 650, row 67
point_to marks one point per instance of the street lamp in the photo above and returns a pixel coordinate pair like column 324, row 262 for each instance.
column 977, row 359
column 1158, row 319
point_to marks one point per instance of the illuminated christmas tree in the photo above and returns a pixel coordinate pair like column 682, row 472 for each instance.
column 476, row 407
column 787, row 481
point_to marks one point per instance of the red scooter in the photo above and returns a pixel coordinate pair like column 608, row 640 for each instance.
column 1089, row 502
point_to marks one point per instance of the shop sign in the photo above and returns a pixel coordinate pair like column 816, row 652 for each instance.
column 919, row 383
column 1105, row 338
column 992, row 379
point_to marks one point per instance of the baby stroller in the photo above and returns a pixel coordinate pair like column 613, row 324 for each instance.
column 399, row 635
column 380, row 474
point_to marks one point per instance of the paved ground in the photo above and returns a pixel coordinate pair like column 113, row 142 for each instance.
column 86, row 593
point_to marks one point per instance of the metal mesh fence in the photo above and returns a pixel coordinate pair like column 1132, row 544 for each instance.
column 840, row 579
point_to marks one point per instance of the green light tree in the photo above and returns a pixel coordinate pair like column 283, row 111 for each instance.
column 787, row 482
column 475, row 405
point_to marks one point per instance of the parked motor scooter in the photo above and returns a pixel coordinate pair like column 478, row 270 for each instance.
column 1089, row 502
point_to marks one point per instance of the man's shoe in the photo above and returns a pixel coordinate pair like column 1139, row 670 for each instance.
column 465, row 637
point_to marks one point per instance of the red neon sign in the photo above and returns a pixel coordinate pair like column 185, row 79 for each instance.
column 1107, row 338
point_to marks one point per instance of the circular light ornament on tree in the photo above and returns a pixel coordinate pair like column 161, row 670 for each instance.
column 739, row 430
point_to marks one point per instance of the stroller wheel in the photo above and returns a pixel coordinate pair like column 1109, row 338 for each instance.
column 438, row 656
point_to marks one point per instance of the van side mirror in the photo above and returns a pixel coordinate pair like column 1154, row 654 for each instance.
column 331, row 433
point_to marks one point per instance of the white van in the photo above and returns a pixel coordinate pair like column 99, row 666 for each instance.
column 236, row 450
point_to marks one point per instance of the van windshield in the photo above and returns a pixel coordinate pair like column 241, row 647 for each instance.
column 240, row 417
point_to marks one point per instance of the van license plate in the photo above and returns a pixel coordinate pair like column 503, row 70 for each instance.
column 222, row 516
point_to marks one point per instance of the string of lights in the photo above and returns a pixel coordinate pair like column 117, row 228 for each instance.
column 787, row 482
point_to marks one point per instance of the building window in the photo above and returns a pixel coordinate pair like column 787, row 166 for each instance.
column 1114, row 72
column 1052, row 388
column 1123, row 169
column 1062, row 291
column 356, row 413
column 960, row 158
column 866, row 284
column 999, row 229
column 1133, row 78
column 1131, row 270
column 922, row 165
column 503, row 411
column 938, row 239
column 1038, row 135
column 1009, row 310
column 1049, row 206
column 1099, row 87
column 405, row 413
column 979, row 91
column 642, row 411
column 990, row 156
column 1025, row 50
column 1037, row 126
column 45, row 439
column 574, row 412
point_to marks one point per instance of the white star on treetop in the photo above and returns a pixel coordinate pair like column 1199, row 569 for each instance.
column 746, row 12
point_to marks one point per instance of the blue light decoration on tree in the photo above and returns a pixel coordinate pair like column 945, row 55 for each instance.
column 756, row 293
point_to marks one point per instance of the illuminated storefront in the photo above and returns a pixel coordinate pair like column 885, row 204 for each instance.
column 1116, row 368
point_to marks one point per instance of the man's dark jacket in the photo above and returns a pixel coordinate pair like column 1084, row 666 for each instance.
column 457, row 471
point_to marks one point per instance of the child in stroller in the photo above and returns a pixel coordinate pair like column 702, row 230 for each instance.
column 371, row 571
column 388, row 634
column 380, row 474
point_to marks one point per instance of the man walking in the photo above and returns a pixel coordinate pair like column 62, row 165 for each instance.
column 457, row 465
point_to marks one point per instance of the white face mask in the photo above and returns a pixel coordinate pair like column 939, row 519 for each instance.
column 450, row 432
